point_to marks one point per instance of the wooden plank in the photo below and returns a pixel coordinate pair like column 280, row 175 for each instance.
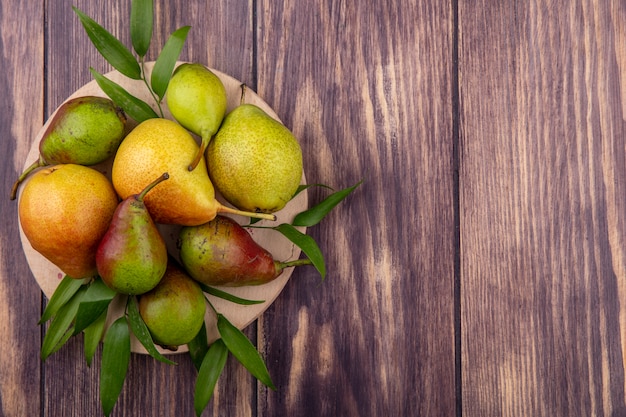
column 21, row 112
column 220, row 37
column 542, row 207
column 367, row 88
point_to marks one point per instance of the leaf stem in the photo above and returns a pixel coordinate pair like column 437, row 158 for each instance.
column 297, row 262
column 211, row 305
column 38, row 163
column 145, row 81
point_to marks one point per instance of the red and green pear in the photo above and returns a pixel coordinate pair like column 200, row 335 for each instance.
column 84, row 131
column 132, row 255
column 222, row 252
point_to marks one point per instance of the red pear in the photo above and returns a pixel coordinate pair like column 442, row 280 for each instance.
column 222, row 252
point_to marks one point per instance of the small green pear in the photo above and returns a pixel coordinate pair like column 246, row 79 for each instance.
column 254, row 160
column 174, row 310
column 197, row 99
column 84, row 131
column 222, row 252
column 132, row 255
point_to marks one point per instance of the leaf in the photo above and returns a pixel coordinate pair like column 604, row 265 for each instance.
column 109, row 47
column 141, row 25
column 303, row 187
column 307, row 244
column 95, row 301
column 136, row 108
column 227, row 296
column 254, row 220
column 210, row 370
column 245, row 352
column 140, row 330
column 60, row 325
column 64, row 291
column 198, row 347
column 66, row 336
column 164, row 65
column 314, row 215
column 115, row 359
column 92, row 336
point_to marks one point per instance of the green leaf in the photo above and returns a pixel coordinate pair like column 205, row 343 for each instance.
column 66, row 336
column 95, row 301
column 198, row 347
column 92, row 336
column 60, row 325
column 133, row 106
column 64, row 291
column 140, row 330
column 307, row 244
column 115, row 359
column 314, row 215
column 210, row 370
column 227, row 296
column 109, row 47
column 303, row 187
column 141, row 25
column 164, row 65
column 245, row 352
column 254, row 220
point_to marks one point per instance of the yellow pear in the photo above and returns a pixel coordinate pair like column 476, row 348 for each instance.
column 161, row 145
column 64, row 211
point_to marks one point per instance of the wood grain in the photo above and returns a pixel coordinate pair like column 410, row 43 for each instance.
column 366, row 87
column 21, row 112
column 542, row 208
column 514, row 113
column 349, row 80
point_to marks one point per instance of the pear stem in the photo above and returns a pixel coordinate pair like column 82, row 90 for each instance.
column 297, row 262
column 265, row 216
column 206, row 137
column 198, row 157
column 150, row 186
column 242, row 99
column 38, row 163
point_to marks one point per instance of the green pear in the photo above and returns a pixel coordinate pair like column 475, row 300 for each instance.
column 132, row 255
column 174, row 310
column 254, row 160
column 84, row 130
column 221, row 252
column 197, row 99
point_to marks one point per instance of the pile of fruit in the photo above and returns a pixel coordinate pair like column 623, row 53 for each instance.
column 103, row 231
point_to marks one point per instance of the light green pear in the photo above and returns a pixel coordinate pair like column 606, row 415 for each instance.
column 197, row 99
column 174, row 310
column 254, row 160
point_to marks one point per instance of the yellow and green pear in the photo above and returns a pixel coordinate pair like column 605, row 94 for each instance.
column 255, row 161
column 187, row 198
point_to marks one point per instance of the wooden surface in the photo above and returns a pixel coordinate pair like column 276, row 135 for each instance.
column 479, row 270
